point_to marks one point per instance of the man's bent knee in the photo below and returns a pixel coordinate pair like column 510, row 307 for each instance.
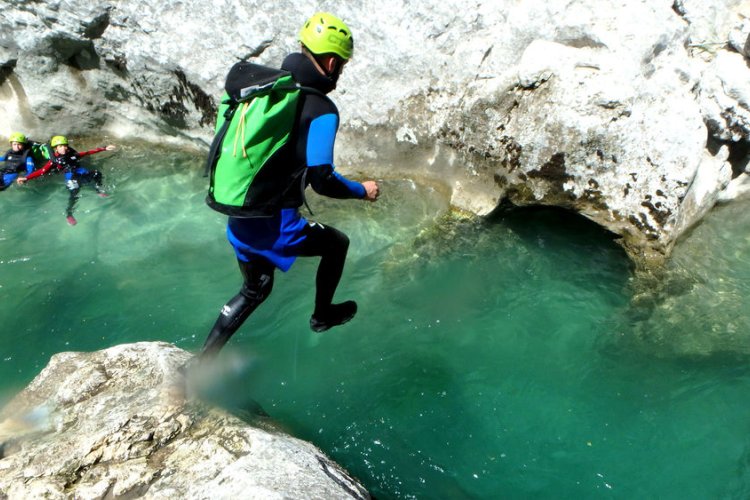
column 259, row 289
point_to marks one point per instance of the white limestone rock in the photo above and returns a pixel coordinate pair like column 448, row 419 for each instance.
column 606, row 107
column 115, row 423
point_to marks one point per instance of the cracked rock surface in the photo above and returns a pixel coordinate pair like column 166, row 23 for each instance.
column 116, row 424
column 634, row 114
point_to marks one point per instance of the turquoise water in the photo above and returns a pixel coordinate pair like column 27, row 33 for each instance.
column 517, row 357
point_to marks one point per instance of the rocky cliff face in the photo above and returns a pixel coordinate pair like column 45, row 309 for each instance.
column 115, row 424
column 634, row 114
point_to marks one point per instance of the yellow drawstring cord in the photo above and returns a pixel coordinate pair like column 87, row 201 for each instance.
column 240, row 130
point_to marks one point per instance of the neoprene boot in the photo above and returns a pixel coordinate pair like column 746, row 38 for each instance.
column 336, row 314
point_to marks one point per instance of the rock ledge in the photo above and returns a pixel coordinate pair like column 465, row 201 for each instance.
column 116, row 423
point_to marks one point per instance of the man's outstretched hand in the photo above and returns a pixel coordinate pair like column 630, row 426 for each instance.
column 372, row 191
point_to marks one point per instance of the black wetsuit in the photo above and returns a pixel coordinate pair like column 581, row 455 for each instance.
column 263, row 244
column 75, row 174
column 15, row 163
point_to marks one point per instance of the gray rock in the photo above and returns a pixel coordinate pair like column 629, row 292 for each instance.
column 115, row 423
column 618, row 111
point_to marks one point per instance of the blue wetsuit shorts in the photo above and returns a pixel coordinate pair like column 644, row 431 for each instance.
column 274, row 238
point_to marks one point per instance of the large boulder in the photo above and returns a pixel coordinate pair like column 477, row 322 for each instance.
column 115, row 423
column 633, row 114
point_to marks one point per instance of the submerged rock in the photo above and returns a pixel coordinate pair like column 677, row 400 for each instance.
column 115, row 423
column 633, row 114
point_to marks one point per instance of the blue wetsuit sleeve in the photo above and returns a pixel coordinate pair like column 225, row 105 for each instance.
column 320, row 169
column 320, row 140
column 29, row 164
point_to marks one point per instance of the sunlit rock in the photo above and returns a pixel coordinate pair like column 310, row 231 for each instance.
column 617, row 110
column 115, row 423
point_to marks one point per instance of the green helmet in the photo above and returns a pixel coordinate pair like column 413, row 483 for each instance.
column 58, row 140
column 325, row 33
column 18, row 137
